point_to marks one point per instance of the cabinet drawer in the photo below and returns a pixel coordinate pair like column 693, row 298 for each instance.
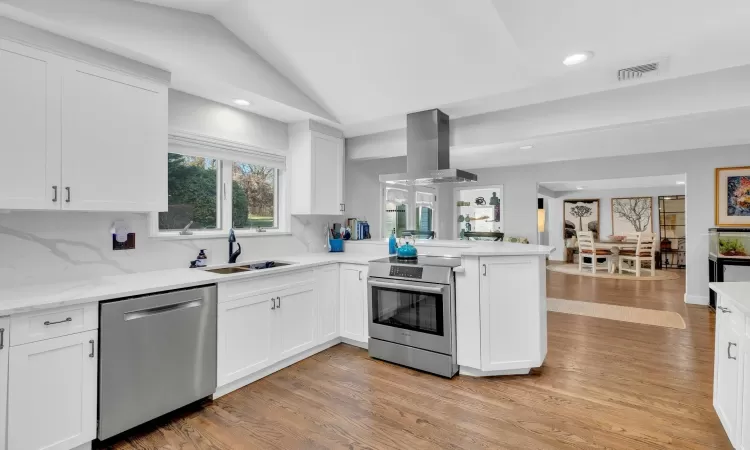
column 238, row 289
column 49, row 323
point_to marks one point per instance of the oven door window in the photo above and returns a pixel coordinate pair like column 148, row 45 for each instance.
column 408, row 310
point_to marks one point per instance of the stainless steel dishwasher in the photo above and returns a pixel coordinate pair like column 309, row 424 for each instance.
column 157, row 353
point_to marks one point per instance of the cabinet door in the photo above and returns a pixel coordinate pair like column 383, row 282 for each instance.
column 29, row 128
column 354, row 302
column 296, row 319
column 4, row 350
column 53, row 382
column 114, row 142
column 244, row 336
column 727, row 384
column 327, row 292
column 509, row 302
column 327, row 174
column 744, row 427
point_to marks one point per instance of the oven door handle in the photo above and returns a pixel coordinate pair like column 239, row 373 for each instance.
column 406, row 287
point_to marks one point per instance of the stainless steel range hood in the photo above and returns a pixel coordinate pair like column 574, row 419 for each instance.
column 428, row 152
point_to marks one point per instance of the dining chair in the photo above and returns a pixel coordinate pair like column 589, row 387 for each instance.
column 645, row 251
column 587, row 249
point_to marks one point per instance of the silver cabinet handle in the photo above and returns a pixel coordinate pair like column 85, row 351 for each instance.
column 273, row 303
column 54, row 188
column 360, row 275
column 279, row 300
column 91, row 355
column 484, row 266
column 67, row 189
column 729, row 348
column 47, row 322
column 725, row 310
column 2, row 338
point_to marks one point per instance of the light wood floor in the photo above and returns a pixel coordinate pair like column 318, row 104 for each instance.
column 604, row 384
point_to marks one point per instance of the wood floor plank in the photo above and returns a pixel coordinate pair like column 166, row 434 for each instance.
column 604, row 385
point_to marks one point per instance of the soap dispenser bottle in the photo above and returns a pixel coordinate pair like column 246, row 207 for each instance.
column 392, row 245
column 200, row 261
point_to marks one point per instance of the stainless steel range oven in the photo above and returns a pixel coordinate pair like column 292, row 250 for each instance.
column 412, row 308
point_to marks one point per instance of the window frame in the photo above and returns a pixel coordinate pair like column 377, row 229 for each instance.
column 412, row 191
column 228, row 153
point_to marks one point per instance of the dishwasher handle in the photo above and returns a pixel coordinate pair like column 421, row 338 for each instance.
column 133, row 315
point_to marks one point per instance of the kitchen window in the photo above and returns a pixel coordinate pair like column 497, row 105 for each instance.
column 408, row 208
column 215, row 189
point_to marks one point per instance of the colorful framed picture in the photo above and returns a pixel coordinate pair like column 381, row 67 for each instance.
column 732, row 197
column 632, row 214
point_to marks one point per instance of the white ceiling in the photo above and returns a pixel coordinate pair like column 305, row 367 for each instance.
column 370, row 63
column 615, row 183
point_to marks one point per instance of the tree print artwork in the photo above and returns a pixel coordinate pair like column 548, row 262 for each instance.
column 631, row 214
column 580, row 215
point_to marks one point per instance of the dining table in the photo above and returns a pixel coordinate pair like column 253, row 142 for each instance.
column 615, row 246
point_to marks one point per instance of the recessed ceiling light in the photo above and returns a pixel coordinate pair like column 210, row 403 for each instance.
column 680, row 182
column 577, row 58
column 526, row 147
column 580, row 187
column 241, row 102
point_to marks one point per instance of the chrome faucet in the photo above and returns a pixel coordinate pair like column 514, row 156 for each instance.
column 233, row 255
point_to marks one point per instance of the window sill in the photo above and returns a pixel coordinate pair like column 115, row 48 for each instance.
column 217, row 235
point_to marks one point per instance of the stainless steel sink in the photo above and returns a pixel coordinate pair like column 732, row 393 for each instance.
column 266, row 265
column 249, row 267
column 228, row 270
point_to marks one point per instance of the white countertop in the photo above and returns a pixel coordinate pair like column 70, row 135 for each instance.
column 51, row 295
column 738, row 291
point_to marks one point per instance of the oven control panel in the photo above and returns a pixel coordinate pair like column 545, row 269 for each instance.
column 406, row 272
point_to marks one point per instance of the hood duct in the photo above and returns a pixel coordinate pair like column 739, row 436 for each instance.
column 428, row 152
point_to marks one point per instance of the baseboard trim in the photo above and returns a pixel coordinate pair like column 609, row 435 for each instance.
column 696, row 299
column 354, row 343
column 86, row 446
column 242, row 382
column 472, row 372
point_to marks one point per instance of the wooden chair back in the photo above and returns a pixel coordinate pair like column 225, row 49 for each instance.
column 646, row 243
column 586, row 242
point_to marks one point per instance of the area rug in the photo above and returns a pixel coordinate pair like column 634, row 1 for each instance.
column 614, row 312
column 572, row 269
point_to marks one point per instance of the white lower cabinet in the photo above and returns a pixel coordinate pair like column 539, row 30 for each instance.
column 4, row 350
column 52, row 393
column 244, row 336
column 509, row 300
column 327, row 291
column 354, row 318
column 296, row 320
column 732, row 372
column 260, row 327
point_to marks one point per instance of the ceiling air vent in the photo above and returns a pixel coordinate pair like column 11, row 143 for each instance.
column 637, row 72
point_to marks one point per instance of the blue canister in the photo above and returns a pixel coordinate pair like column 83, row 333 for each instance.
column 336, row 245
column 392, row 245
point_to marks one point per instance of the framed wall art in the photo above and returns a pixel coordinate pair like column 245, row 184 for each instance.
column 580, row 215
column 631, row 214
column 732, row 204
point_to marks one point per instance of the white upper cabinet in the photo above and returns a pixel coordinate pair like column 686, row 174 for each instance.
column 79, row 137
column 316, row 169
column 29, row 128
column 114, row 144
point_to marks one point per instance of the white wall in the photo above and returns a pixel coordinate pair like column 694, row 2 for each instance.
column 200, row 52
column 198, row 115
column 42, row 247
column 554, row 225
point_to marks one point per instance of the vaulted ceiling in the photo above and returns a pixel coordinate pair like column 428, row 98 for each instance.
column 369, row 63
